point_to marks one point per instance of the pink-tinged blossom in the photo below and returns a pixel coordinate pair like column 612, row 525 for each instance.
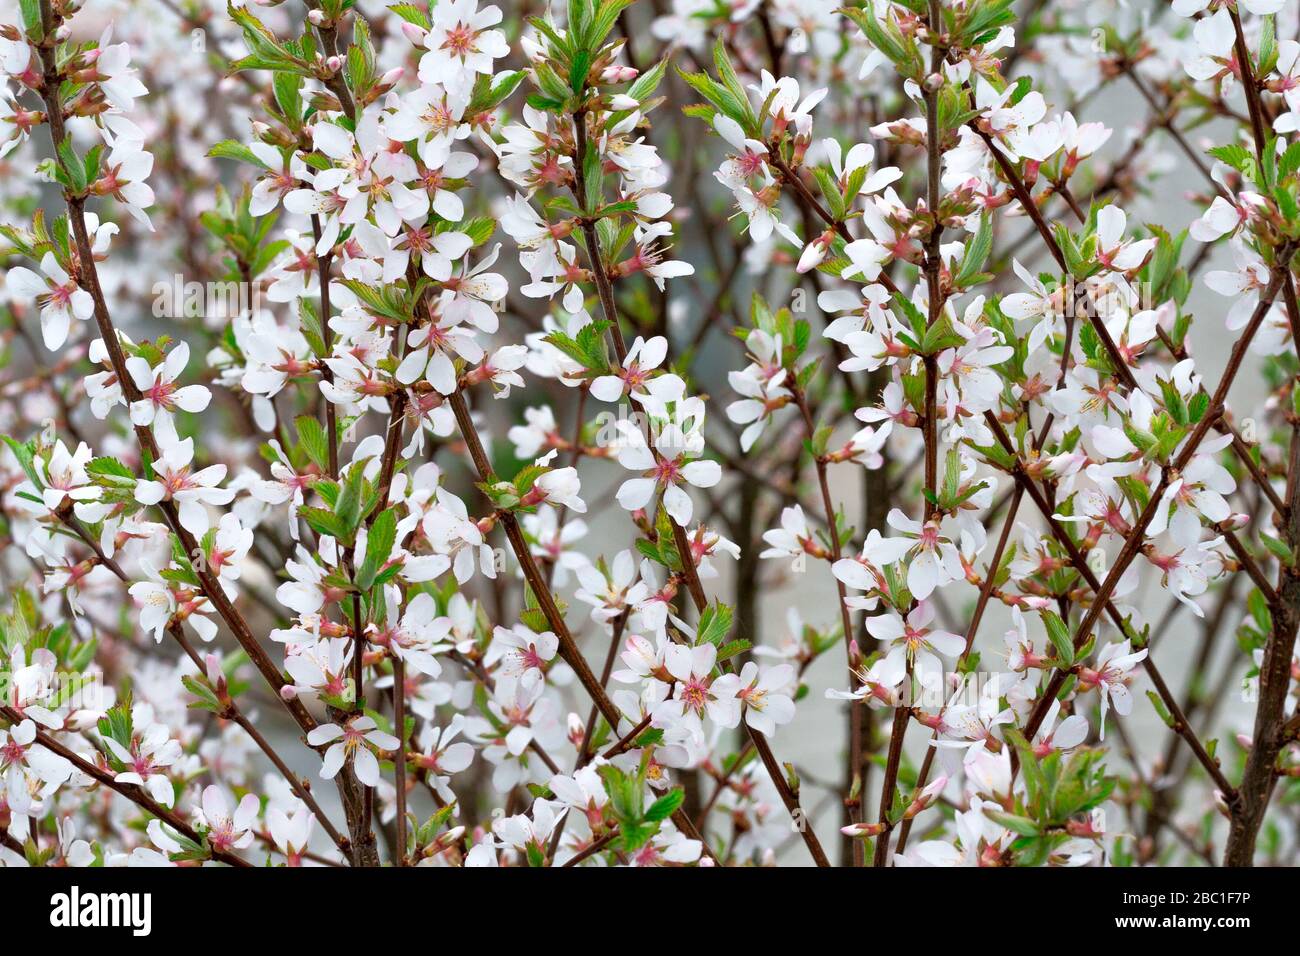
column 354, row 743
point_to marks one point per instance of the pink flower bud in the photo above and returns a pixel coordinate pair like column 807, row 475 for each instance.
column 617, row 73
column 813, row 255
column 414, row 33
column 934, row 788
column 862, row 829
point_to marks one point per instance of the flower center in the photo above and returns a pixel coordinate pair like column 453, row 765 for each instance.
column 460, row 41
column 695, row 694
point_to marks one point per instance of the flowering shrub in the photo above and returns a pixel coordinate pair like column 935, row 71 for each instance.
column 414, row 413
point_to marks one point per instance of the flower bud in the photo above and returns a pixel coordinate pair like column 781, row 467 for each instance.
column 862, row 830
column 617, row 73
column 532, row 50
column 1234, row 522
column 414, row 33
column 212, row 664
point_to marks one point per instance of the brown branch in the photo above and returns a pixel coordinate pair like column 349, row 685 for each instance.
column 690, row 572
column 853, row 777
column 1259, row 777
column 523, row 554
column 990, row 582
column 1101, row 601
column 399, row 764
column 931, row 267
column 1027, row 203
column 592, row 848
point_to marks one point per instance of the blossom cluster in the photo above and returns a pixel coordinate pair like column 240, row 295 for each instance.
column 522, row 375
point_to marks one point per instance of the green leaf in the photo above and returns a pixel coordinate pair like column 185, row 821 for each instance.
column 379, row 545
column 715, row 624
column 488, row 96
column 720, row 98
column 644, row 86
column 479, row 229
column 732, row 648
column 1161, row 709
column 411, row 14
column 266, row 52
column 649, row 738
column 1035, row 781
column 206, row 699
column 977, row 253
column 348, row 507
column 593, row 176
column 33, row 23
column 665, row 806
column 1290, row 161
column 1059, row 635
column 312, row 437
column 549, row 83
column 1278, row 548
column 229, row 149
column 578, row 17
column 578, row 71
column 323, row 522
column 1239, row 158
column 603, row 22
column 951, row 477
column 72, row 166
column 1268, row 49
column 559, row 44
column 940, row 336
column 390, row 301
column 25, row 453
column 1016, row 824
column 886, row 37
